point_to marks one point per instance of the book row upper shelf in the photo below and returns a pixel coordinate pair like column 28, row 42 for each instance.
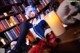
column 18, row 9
column 14, row 10
column 9, row 2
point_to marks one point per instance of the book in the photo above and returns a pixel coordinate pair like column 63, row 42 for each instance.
column 1, row 27
column 3, row 24
column 12, row 19
column 9, row 35
column 20, row 8
column 20, row 18
column 14, row 9
column 15, row 1
column 7, row 23
column 11, row 2
column 44, row 2
column 14, row 33
column 23, row 6
column 6, row 35
column 18, row 29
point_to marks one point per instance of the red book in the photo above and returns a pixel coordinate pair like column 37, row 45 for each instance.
column 1, row 27
column 18, row 29
column 3, row 24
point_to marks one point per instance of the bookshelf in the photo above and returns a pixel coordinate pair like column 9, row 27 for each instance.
column 9, row 23
column 13, row 15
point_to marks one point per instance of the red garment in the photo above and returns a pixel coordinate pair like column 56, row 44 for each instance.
column 39, row 47
column 51, row 39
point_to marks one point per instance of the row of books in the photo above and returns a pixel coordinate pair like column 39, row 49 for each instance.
column 10, row 35
column 42, row 4
column 14, row 11
column 8, row 2
column 5, row 24
column 19, row 8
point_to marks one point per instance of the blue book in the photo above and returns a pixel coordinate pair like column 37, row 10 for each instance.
column 12, row 34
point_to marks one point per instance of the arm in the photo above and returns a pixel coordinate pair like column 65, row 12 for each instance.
column 24, row 29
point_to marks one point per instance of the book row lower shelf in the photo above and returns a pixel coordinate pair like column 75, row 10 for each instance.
column 9, row 36
column 7, row 24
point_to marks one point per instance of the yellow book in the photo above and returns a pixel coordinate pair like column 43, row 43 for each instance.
column 12, row 21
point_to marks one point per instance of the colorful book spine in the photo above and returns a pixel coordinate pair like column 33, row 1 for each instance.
column 14, row 1
column 14, row 9
column 7, row 23
column 6, row 35
column 20, row 18
column 1, row 27
column 14, row 33
column 9, row 35
column 23, row 6
column 11, row 2
column 3, row 24
column 12, row 20
column 18, row 29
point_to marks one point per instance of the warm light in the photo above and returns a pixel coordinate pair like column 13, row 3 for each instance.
column 55, row 23
column 3, row 41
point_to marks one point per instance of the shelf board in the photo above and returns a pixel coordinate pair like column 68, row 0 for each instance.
column 5, row 17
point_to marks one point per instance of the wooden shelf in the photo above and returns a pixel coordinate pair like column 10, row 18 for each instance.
column 5, row 17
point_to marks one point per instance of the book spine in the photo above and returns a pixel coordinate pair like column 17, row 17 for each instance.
column 11, row 2
column 7, row 23
column 18, row 29
column 3, row 24
column 16, row 20
column 1, row 27
column 14, row 1
column 23, row 6
column 9, row 35
column 14, row 9
column 14, row 33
